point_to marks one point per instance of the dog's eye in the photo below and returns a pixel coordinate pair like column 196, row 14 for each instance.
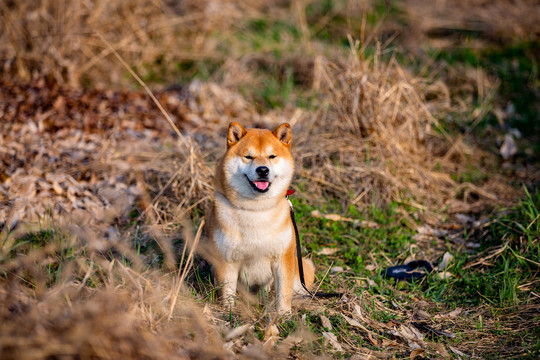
column 272, row 157
column 249, row 157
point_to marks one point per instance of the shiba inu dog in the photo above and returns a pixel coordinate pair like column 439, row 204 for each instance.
column 250, row 233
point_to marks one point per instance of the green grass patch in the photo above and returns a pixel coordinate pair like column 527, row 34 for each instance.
column 511, row 254
column 513, row 237
column 385, row 238
column 473, row 175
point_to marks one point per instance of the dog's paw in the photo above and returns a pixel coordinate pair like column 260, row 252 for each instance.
column 228, row 301
column 284, row 311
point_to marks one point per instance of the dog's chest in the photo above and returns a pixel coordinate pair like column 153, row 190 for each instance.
column 247, row 235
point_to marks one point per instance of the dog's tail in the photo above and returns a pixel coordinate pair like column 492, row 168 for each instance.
column 309, row 276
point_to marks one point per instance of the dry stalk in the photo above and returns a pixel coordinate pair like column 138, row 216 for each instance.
column 182, row 275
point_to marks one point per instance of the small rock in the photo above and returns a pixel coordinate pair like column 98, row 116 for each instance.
column 508, row 148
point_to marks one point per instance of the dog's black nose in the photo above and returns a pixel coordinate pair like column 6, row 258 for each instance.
column 262, row 171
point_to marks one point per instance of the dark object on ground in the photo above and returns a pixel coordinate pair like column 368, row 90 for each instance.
column 408, row 271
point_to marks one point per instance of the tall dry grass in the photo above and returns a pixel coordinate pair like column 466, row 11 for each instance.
column 78, row 296
column 377, row 134
column 60, row 39
column 376, row 128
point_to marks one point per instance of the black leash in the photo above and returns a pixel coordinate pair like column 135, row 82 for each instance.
column 299, row 257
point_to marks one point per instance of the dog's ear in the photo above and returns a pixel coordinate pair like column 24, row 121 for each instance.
column 235, row 133
column 284, row 134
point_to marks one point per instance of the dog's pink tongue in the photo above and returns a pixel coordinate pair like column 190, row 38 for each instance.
column 262, row 185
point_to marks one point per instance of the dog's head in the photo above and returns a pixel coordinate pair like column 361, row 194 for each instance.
column 258, row 163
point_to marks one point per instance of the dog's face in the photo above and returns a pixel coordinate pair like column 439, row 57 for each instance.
column 258, row 163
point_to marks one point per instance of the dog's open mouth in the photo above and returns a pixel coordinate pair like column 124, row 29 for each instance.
column 260, row 185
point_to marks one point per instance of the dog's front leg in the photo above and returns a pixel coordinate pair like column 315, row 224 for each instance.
column 227, row 278
column 283, row 270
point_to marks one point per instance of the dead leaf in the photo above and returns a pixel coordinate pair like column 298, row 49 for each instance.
column 326, row 322
column 417, row 352
column 454, row 312
column 427, row 230
column 328, row 251
column 333, row 340
column 370, row 267
column 287, row 343
column 457, row 352
column 447, row 258
column 441, row 350
column 386, row 343
column 409, row 333
column 358, row 311
column 228, row 346
column 423, row 314
column 337, row 217
column 355, row 323
column 367, row 224
column 333, row 217
column 373, row 341
column 393, row 323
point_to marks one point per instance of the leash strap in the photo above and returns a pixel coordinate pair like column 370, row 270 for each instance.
column 299, row 257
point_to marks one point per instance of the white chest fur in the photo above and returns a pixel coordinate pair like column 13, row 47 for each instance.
column 248, row 236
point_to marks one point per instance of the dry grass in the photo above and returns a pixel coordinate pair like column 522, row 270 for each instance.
column 58, row 38
column 376, row 130
column 87, row 174
column 74, row 299
column 444, row 23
